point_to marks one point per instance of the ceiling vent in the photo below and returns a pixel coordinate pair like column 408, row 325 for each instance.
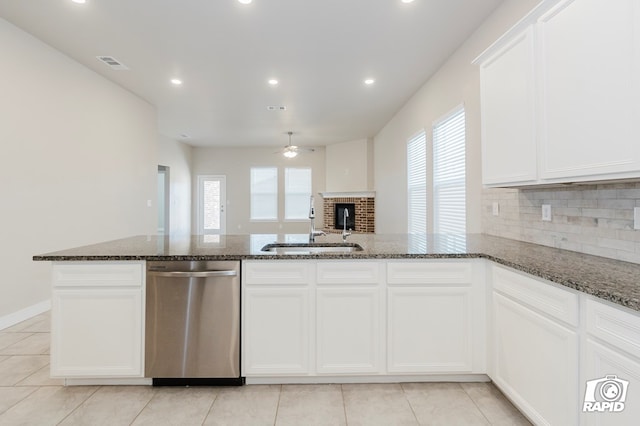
column 276, row 108
column 113, row 63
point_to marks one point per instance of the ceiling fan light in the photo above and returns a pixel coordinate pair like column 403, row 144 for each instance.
column 290, row 153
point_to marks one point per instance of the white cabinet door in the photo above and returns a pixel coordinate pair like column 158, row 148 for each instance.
column 96, row 332
column 348, row 330
column 590, row 97
column 275, row 331
column 604, row 363
column 508, row 113
column 430, row 330
column 611, row 348
column 535, row 362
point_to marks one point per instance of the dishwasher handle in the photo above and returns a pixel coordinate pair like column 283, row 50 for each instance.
column 193, row 274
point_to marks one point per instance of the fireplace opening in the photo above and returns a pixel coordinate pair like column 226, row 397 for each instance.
column 339, row 215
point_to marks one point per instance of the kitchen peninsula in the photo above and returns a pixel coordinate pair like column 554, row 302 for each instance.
column 538, row 321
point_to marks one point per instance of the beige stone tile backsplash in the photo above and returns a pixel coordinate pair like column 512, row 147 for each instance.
column 593, row 219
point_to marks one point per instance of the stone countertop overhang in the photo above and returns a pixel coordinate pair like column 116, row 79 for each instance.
column 608, row 279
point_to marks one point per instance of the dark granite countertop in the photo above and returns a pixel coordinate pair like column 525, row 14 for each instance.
column 608, row 279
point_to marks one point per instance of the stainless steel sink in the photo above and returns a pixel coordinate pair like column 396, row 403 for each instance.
column 311, row 248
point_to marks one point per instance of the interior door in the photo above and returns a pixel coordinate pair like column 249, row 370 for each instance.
column 212, row 198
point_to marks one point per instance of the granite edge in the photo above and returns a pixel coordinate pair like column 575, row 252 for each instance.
column 619, row 299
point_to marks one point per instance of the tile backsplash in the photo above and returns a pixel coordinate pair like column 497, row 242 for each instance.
column 593, row 219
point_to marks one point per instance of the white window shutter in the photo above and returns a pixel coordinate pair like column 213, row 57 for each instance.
column 417, row 184
column 449, row 183
column 264, row 193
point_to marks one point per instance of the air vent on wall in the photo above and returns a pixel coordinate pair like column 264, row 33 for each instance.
column 112, row 63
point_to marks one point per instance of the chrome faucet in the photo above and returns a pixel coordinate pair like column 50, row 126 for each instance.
column 345, row 234
column 312, row 217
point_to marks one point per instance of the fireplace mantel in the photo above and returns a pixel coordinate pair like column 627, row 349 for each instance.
column 350, row 194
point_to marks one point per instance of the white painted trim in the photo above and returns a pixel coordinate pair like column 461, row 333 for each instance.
column 368, row 379
column 107, row 382
column 24, row 314
column 362, row 194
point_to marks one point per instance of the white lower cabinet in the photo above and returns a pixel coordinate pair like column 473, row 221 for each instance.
column 368, row 317
column 535, row 353
column 276, row 311
column 430, row 330
column 611, row 363
column 435, row 317
column 348, row 330
column 97, row 320
column 276, row 331
column 348, row 317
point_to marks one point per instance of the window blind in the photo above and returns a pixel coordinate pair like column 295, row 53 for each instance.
column 449, row 192
column 264, row 193
column 297, row 191
column 417, row 184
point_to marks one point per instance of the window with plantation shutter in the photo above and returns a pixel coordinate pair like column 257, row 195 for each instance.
column 449, row 197
column 417, row 184
column 264, row 193
column 297, row 190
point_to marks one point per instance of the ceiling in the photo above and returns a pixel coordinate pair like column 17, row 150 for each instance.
column 225, row 52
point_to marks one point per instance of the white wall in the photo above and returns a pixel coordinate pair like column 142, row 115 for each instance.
column 177, row 156
column 235, row 164
column 456, row 82
column 350, row 166
column 79, row 163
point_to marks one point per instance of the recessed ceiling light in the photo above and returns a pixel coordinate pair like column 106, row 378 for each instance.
column 407, row 1
column 369, row 81
column 245, row 1
column 273, row 82
column 176, row 81
column 79, row 1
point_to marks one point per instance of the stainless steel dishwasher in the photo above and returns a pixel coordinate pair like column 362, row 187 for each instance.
column 193, row 323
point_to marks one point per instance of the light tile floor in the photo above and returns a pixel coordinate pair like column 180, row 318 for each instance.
column 28, row 396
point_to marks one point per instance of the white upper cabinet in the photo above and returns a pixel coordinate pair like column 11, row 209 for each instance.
column 508, row 114
column 589, row 77
column 561, row 95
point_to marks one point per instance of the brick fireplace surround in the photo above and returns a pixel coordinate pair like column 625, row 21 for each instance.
column 365, row 212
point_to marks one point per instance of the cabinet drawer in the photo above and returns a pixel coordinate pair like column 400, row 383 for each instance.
column 543, row 296
column 429, row 272
column 614, row 326
column 348, row 272
column 97, row 274
column 294, row 273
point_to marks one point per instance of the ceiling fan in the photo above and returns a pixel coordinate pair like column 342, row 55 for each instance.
column 291, row 151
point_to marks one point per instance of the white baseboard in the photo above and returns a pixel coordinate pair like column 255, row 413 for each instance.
column 24, row 314
column 284, row 380
column 117, row 382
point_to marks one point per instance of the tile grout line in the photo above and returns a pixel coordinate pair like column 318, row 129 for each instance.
column 17, row 341
column 210, row 407
column 145, row 406
column 404, row 393
column 35, row 372
column 476, row 404
column 79, row 405
column 35, row 389
column 344, row 406
column 275, row 419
